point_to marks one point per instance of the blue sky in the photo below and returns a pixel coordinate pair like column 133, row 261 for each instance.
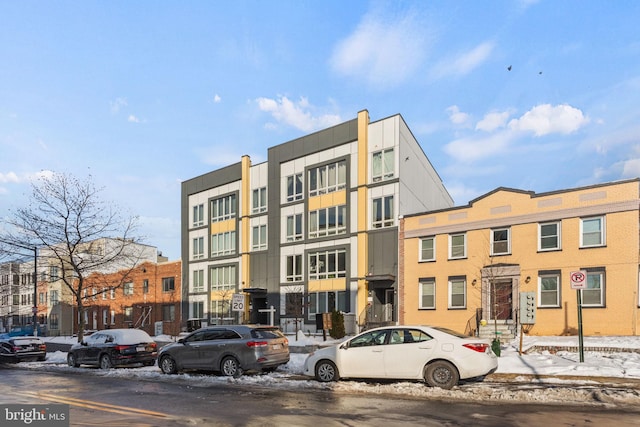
column 534, row 95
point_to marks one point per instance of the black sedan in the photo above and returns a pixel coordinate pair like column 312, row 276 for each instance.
column 17, row 349
column 114, row 347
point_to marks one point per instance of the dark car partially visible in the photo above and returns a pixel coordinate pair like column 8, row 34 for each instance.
column 114, row 347
column 24, row 348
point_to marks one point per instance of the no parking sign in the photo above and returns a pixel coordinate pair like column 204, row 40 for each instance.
column 579, row 279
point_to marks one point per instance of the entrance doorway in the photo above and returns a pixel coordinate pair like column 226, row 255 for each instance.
column 502, row 300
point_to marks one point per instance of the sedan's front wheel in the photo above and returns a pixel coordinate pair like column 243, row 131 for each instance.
column 72, row 361
column 105, row 362
column 326, row 371
column 168, row 365
column 230, row 367
column 441, row 374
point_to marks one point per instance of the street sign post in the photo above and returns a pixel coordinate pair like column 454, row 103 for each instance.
column 237, row 302
column 579, row 282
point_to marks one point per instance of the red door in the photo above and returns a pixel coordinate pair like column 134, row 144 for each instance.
column 502, row 306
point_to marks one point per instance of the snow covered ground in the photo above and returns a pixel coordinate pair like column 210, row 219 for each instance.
column 543, row 376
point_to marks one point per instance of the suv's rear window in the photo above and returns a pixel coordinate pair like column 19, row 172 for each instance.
column 265, row 333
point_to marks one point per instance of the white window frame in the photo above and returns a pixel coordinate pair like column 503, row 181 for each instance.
column 542, row 293
column 295, row 187
column 294, row 268
column 328, row 178
column 494, row 242
column 464, row 293
column 383, row 165
column 602, row 231
column 423, row 285
column 198, row 281
column 223, row 208
column 223, row 278
column 259, row 200
column 291, row 226
column 558, row 236
column 339, row 226
column 421, row 249
column 198, row 248
column 259, row 237
column 319, row 264
column 127, row 288
column 464, row 245
column 600, row 274
column 198, row 216
column 385, row 218
column 223, row 243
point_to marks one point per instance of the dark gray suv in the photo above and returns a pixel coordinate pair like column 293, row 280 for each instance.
column 228, row 349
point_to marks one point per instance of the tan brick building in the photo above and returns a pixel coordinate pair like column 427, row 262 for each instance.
column 461, row 265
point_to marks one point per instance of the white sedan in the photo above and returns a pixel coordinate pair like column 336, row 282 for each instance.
column 439, row 356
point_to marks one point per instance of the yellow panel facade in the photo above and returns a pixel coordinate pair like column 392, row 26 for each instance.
column 223, row 226
column 517, row 242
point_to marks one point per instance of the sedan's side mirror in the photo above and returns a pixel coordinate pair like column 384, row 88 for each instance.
column 181, row 341
column 344, row 346
column 83, row 342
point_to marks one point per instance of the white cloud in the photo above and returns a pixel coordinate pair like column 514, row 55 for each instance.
column 493, row 121
column 470, row 149
column 217, row 99
column 463, row 63
column 456, row 116
column 9, row 177
column 298, row 115
column 133, row 119
column 546, row 119
column 631, row 168
column 118, row 104
column 383, row 49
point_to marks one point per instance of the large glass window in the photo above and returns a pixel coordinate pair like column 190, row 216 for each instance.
column 198, row 248
column 324, row 302
column 549, row 236
column 428, row 249
column 223, row 278
column 294, row 187
column 259, row 200
column 383, row 212
column 198, row 215
column 427, row 290
column 457, row 246
column 168, row 284
column 328, row 221
column 198, row 281
column 593, row 295
column 500, row 241
column 327, row 264
column 294, row 228
column 128, row 288
column 328, row 178
column 549, row 289
column 457, row 293
column 197, row 309
column 223, row 243
column 223, row 208
column 294, row 268
column 383, row 165
column 592, row 232
column 259, row 237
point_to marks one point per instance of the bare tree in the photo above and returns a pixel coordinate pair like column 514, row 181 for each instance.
column 76, row 232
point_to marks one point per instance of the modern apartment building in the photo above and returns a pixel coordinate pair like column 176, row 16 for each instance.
column 312, row 229
column 16, row 294
column 466, row 264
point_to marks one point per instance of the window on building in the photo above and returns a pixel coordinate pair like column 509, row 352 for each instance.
column 223, row 278
column 323, row 302
column 294, row 227
column 328, row 221
column 113, row 317
column 128, row 288
column 221, row 312
column 457, row 246
column 427, row 249
column 223, row 208
column 223, row 243
column 382, row 212
column 500, row 241
column 457, row 292
column 198, row 248
column 592, row 232
column 549, row 288
column 197, row 310
column 168, row 284
column 327, row 264
column 198, row 281
column 103, row 293
column 54, row 321
column 198, row 215
column 427, row 289
column 168, row 312
column 112, row 293
column 42, row 298
column 259, row 237
column 328, row 178
column 145, row 286
column 259, row 200
column 294, row 304
column 128, row 314
column 549, row 236
column 105, row 316
column 294, row 268
column 54, row 297
column 53, row 273
column 383, row 165
column 593, row 295
column 294, row 187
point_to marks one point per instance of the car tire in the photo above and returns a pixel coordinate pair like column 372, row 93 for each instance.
column 326, row 371
column 168, row 365
column 230, row 367
column 72, row 361
column 441, row 374
column 105, row 362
